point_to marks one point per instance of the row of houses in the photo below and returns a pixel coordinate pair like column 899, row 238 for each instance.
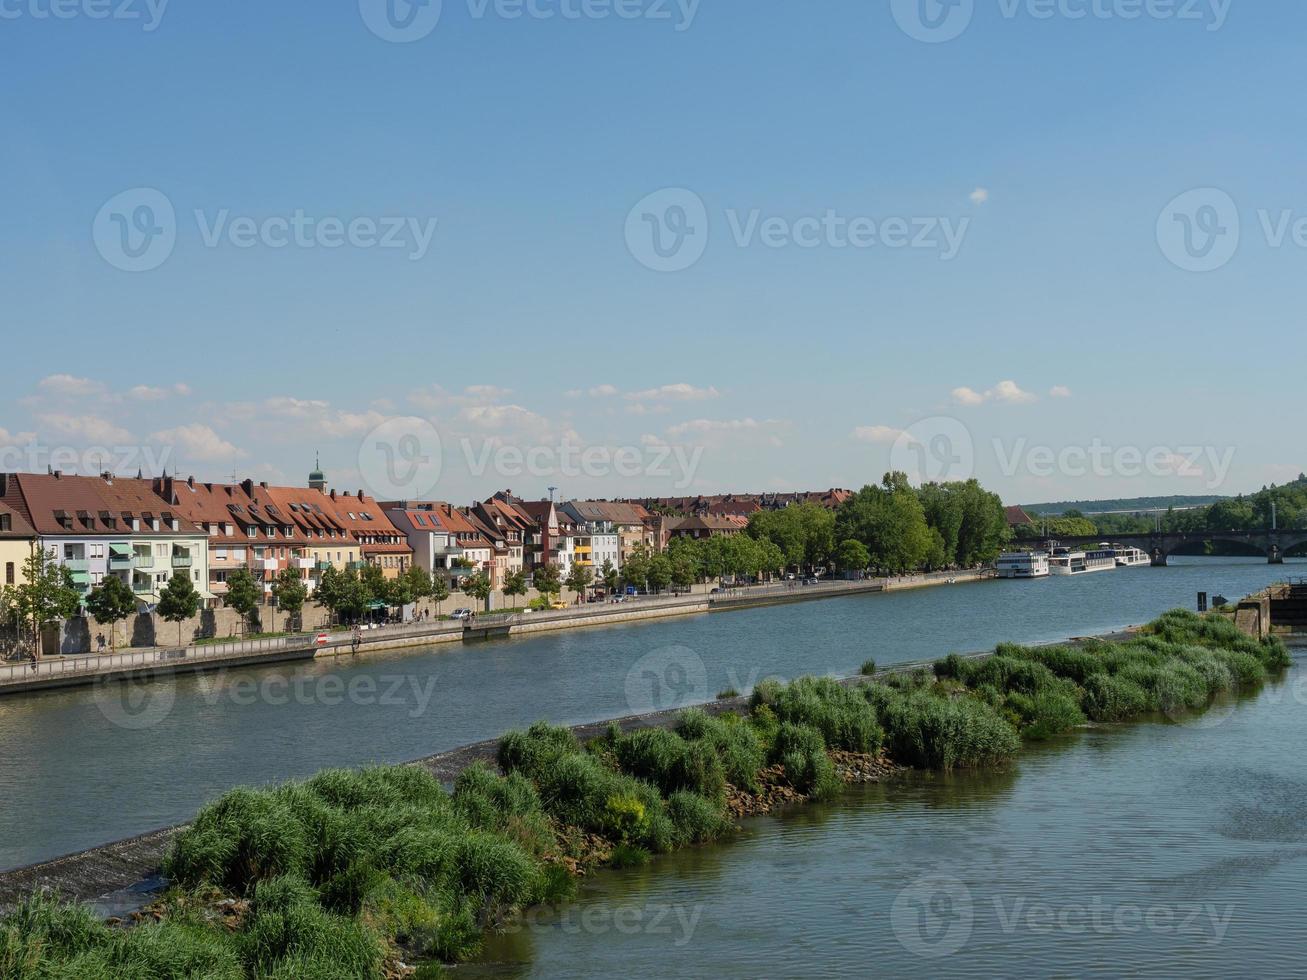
column 146, row 530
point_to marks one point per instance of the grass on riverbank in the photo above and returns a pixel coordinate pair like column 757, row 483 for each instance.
column 343, row 874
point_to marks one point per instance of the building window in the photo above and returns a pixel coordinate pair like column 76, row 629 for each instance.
column 9, row 573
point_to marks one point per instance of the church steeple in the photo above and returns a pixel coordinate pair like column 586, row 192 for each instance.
column 317, row 479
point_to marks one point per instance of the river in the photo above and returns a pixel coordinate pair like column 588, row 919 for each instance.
column 1152, row 849
column 85, row 766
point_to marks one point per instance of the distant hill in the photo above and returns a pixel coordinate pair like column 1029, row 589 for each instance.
column 1127, row 505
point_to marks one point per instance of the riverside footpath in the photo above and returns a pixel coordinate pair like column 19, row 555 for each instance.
column 138, row 663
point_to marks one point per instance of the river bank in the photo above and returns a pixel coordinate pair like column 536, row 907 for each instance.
column 103, row 763
column 617, row 798
column 75, row 671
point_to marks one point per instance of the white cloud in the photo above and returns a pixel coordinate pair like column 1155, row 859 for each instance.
column 8, row 438
column 1008, row 391
column 487, row 392
column 148, row 393
column 89, row 427
column 198, row 443
column 315, row 418
column 70, row 386
column 1005, row 391
column 436, row 398
column 639, row 408
column 704, row 426
column 602, row 391
column 1059, row 391
column 979, row 196
column 675, row 392
column 881, row 435
column 718, row 432
column 968, row 396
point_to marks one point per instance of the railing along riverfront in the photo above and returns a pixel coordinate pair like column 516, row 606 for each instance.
column 143, row 659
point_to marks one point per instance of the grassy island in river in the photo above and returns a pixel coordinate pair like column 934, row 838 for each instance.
column 357, row 873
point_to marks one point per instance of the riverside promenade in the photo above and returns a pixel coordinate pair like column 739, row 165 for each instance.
column 79, row 670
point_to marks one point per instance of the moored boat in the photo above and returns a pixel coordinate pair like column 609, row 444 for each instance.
column 1023, row 564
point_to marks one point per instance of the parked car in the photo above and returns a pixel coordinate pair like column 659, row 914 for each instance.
column 462, row 614
column 810, row 581
column 559, row 604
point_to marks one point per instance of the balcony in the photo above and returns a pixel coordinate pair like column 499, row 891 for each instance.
column 77, row 564
column 266, row 564
column 120, row 559
column 182, row 561
column 356, row 566
column 322, row 566
column 142, row 585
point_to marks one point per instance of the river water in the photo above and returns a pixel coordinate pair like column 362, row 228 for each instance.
column 84, row 766
column 1172, row 850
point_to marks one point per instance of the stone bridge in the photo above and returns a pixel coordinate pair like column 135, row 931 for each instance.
column 1274, row 544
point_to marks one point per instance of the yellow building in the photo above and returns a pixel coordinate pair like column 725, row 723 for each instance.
column 17, row 541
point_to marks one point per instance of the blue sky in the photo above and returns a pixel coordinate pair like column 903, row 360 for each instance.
column 1063, row 326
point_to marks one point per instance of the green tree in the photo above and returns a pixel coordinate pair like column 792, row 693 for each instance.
column 477, row 586
column 439, row 590
column 890, row 521
column 47, row 594
column 111, row 602
column 179, row 601
column 579, row 578
column 660, row 572
column 244, row 593
column 635, row 570
column 852, row 556
column 290, row 593
column 610, row 576
column 547, row 580
column 514, row 585
column 772, row 559
column 804, row 533
column 685, row 570
column 376, row 586
column 417, row 580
